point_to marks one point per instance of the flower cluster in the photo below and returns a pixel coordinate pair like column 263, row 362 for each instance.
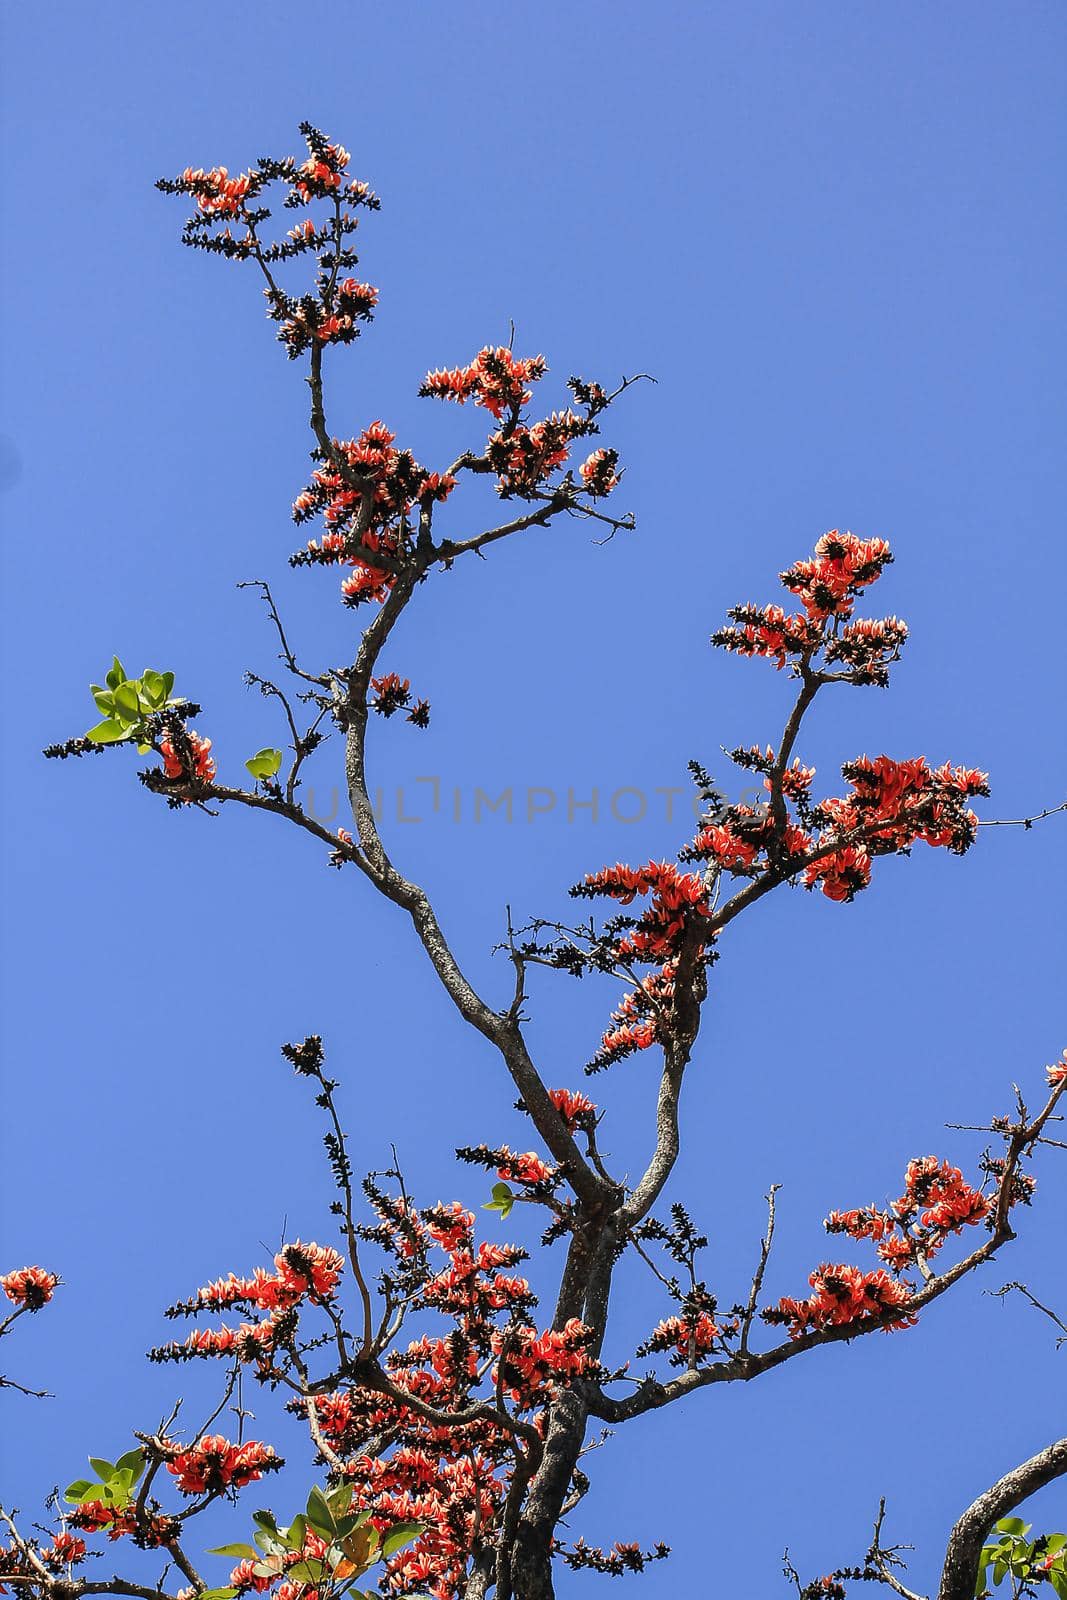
column 321, row 174
column 529, row 1362
column 213, row 1464
column 303, row 1272
column 365, row 494
column 451, row 1477
column 223, row 202
column 691, row 1336
column 365, row 489
column 624, row 1556
column 186, row 756
column 678, row 903
column 65, row 1550
column 216, row 193
column 495, row 379
column 392, row 693
column 576, row 1109
column 789, row 837
column 641, row 1018
column 307, row 321
column 937, row 1201
column 827, row 586
column 525, row 1167
column 675, row 897
column 893, row 805
column 1057, row 1072
column 844, row 1295
column 524, row 457
column 599, row 472
column 767, row 631
column 151, row 1530
column 448, row 1477
column 29, row 1287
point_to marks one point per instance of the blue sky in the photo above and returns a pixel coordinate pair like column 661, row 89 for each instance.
column 834, row 233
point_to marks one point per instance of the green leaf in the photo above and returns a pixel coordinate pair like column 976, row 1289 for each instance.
column 105, row 702
column 319, row 1514
column 349, row 1524
column 1013, row 1525
column 153, row 687
column 296, row 1532
column 103, row 1469
column 120, row 1486
column 307, row 1571
column 217, row 1594
column 244, row 1551
column 399, row 1536
column 77, row 1491
column 128, row 702
column 503, row 1200
column 108, row 732
column 340, row 1499
column 265, row 763
column 265, row 1519
column 116, row 676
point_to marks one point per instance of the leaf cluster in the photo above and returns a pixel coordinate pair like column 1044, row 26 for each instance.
column 114, row 1483
column 128, row 704
column 1012, row 1554
column 352, row 1544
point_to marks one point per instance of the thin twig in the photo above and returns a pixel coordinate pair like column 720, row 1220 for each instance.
column 761, row 1268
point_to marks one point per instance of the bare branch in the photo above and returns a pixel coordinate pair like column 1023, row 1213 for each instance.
column 34, row 1394
column 1035, row 1302
column 286, row 652
column 1024, row 822
column 757, row 1278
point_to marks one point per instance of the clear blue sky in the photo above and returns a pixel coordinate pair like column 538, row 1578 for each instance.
column 835, row 233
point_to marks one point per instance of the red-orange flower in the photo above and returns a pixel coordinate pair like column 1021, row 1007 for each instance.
column 214, row 1464
column 31, row 1287
column 575, row 1108
column 174, row 764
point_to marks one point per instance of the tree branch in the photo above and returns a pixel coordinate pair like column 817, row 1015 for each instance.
column 960, row 1572
column 652, row 1397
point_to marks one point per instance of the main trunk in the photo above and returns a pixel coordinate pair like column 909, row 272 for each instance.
column 531, row 1557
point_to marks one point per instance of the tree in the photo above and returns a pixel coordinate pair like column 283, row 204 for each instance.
column 450, row 1418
